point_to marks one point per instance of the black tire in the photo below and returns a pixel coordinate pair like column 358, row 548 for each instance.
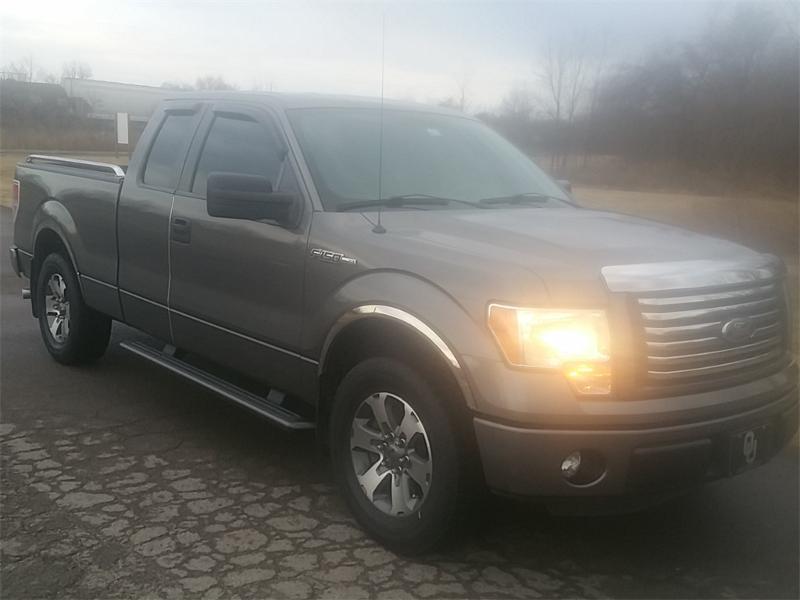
column 449, row 498
column 88, row 332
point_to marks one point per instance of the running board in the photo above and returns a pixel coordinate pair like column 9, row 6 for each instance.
column 253, row 402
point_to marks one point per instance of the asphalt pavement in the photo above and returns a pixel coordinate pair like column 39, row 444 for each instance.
column 122, row 480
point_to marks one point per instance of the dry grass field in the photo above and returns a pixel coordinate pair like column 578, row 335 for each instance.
column 768, row 224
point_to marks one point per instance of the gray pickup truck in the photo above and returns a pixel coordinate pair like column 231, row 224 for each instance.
column 403, row 280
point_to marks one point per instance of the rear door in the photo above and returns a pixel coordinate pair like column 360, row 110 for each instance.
column 143, row 217
column 236, row 294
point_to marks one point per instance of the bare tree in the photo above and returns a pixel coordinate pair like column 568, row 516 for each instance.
column 76, row 70
column 213, row 82
column 463, row 82
column 21, row 70
column 564, row 77
column 518, row 105
column 459, row 100
column 563, row 74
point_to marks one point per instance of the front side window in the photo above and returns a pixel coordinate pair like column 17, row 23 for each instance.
column 238, row 145
column 423, row 153
column 167, row 152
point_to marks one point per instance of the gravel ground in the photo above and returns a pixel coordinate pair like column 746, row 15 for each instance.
column 120, row 480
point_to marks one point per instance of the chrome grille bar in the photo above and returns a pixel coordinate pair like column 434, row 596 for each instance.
column 719, row 368
column 688, row 338
column 716, row 314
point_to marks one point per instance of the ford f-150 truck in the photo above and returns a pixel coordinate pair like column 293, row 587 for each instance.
column 409, row 284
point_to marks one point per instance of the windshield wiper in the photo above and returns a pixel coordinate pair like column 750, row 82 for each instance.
column 404, row 200
column 526, row 198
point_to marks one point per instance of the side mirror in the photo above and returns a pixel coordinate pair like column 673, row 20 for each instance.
column 565, row 185
column 242, row 196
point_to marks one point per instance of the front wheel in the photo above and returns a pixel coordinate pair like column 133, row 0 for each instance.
column 398, row 456
column 73, row 333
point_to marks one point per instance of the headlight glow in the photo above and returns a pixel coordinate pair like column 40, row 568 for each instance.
column 575, row 341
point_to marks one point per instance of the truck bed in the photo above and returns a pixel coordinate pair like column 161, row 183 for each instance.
column 78, row 199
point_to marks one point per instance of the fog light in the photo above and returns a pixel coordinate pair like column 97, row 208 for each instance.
column 571, row 465
column 584, row 467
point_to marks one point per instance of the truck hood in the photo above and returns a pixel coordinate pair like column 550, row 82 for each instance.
column 549, row 234
column 564, row 248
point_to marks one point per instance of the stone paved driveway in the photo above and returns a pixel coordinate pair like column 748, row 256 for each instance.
column 120, row 480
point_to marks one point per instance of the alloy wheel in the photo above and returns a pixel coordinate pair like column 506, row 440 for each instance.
column 391, row 454
column 57, row 308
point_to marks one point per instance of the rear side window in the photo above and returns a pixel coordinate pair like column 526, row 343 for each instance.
column 167, row 153
column 238, row 145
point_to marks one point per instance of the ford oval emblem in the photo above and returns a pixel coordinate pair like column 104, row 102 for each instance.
column 738, row 329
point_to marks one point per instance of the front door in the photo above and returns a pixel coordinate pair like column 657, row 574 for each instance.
column 236, row 291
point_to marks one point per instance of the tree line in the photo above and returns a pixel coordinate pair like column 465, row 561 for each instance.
column 725, row 104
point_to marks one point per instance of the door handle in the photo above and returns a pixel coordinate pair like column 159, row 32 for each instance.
column 181, row 230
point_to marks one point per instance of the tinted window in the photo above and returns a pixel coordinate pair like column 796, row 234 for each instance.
column 167, row 154
column 423, row 153
column 238, row 145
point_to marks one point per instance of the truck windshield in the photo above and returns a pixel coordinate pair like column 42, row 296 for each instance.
column 424, row 154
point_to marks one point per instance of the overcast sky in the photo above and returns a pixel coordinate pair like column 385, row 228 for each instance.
column 336, row 46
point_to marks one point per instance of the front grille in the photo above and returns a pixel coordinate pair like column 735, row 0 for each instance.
column 686, row 348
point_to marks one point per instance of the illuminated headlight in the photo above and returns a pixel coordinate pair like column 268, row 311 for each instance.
column 573, row 341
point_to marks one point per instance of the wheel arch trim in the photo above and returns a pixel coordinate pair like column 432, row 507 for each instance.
column 384, row 311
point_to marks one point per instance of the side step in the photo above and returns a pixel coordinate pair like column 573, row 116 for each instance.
column 257, row 404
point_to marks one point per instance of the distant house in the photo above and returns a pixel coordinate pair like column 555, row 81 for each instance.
column 77, row 114
column 106, row 98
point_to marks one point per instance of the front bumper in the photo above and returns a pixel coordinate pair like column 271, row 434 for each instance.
column 526, row 461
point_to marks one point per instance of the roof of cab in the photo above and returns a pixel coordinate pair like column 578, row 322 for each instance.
column 292, row 101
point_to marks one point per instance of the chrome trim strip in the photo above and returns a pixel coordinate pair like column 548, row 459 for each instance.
column 698, row 345
column 665, row 303
column 142, row 298
column 75, row 162
column 25, row 252
column 701, row 328
column 98, row 281
column 658, row 376
column 246, row 337
column 412, row 321
column 691, row 274
column 709, row 315
column 398, row 314
column 688, row 360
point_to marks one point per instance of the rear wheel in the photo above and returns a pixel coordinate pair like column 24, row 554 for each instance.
column 398, row 456
column 72, row 332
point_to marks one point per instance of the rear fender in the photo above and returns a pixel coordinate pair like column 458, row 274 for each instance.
column 53, row 217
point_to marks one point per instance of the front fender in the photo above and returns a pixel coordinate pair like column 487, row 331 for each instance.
column 416, row 303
